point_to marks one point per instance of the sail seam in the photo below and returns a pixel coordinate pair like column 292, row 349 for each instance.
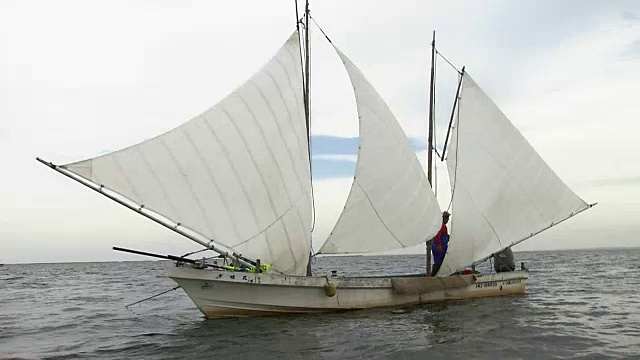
column 483, row 217
column 273, row 158
column 521, row 137
column 405, row 153
column 158, row 181
column 298, row 132
column 289, row 243
column 294, row 205
column 554, row 223
column 214, row 182
column 277, row 165
column 270, row 151
column 300, row 139
column 512, row 177
column 355, row 181
column 235, row 170
column 417, row 170
column 307, row 128
column 117, row 163
column 291, row 125
column 284, row 141
column 190, row 187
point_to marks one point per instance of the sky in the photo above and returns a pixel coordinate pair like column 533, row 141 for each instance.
column 82, row 78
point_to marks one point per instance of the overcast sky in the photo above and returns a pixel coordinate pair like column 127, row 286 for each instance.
column 81, row 78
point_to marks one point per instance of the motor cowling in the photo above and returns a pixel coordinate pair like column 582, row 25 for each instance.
column 504, row 261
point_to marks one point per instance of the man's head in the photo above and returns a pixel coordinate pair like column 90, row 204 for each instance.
column 445, row 217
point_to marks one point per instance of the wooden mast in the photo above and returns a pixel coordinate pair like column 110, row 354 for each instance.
column 306, row 66
column 431, row 131
column 307, row 111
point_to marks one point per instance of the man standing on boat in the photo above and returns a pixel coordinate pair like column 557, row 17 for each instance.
column 440, row 244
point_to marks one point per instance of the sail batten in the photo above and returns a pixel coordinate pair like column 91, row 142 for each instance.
column 238, row 173
column 503, row 191
column 390, row 204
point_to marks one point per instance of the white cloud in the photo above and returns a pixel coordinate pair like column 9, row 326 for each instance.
column 336, row 157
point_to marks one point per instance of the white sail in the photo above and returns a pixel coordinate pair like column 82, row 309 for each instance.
column 503, row 191
column 390, row 204
column 238, row 173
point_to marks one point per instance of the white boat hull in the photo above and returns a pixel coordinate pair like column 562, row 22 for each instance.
column 221, row 294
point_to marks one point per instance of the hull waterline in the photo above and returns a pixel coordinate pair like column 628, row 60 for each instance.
column 220, row 294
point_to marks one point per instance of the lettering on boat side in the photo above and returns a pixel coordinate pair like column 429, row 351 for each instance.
column 516, row 281
column 487, row 284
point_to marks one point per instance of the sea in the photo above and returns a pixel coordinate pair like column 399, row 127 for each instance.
column 579, row 304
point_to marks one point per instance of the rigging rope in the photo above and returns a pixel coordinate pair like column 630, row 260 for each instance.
column 153, row 296
column 313, row 203
column 194, row 252
column 455, row 169
column 322, row 31
column 448, row 62
column 433, row 147
column 307, row 102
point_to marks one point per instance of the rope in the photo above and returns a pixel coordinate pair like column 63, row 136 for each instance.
column 313, row 202
column 151, row 297
column 455, row 169
column 448, row 62
column 307, row 102
column 195, row 252
column 433, row 147
column 322, row 31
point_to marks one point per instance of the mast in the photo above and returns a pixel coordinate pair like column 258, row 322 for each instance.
column 431, row 111
column 431, row 131
column 307, row 112
column 306, row 71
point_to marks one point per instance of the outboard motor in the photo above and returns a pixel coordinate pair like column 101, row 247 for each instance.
column 503, row 261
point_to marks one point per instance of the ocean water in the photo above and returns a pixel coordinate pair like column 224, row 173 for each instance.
column 579, row 304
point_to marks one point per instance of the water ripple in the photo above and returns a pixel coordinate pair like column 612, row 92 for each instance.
column 579, row 304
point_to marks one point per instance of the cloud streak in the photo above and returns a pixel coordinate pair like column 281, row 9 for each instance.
column 632, row 50
column 336, row 157
column 619, row 181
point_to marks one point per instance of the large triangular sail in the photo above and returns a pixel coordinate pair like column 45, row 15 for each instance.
column 237, row 173
column 390, row 204
column 503, row 191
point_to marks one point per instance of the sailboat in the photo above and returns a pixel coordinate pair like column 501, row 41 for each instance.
column 236, row 179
